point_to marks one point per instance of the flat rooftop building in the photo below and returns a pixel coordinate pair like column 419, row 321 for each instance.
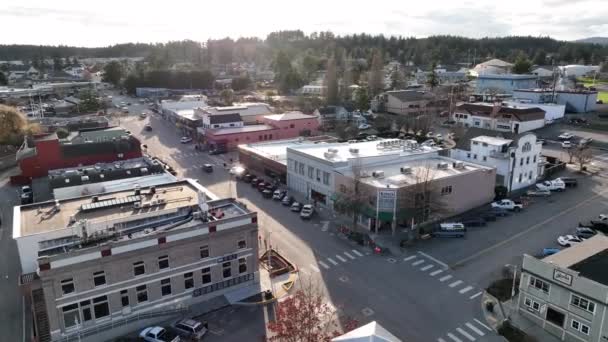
column 159, row 250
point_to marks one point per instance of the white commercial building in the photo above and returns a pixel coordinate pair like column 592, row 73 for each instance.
column 250, row 112
column 499, row 117
column 553, row 111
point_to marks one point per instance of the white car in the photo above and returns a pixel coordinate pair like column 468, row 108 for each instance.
column 438, row 136
column 364, row 126
column 554, row 185
column 565, row 136
column 566, row 144
column 568, row 240
column 185, row 140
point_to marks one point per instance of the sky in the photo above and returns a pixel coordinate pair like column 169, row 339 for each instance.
column 107, row 22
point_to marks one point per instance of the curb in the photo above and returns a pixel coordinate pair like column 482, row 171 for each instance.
column 286, row 286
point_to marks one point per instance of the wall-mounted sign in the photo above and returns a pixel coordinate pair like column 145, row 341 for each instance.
column 562, row 277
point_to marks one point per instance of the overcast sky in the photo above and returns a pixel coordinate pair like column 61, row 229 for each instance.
column 101, row 23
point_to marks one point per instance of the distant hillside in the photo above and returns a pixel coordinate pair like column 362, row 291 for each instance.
column 594, row 40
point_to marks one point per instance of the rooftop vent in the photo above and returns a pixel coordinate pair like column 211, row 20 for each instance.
column 378, row 174
column 458, row 165
column 442, row 166
column 353, row 150
column 406, row 170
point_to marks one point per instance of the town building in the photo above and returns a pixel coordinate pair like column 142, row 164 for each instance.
column 565, row 293
column 313, row 90
column 504, row 83
column 553, row 111
column 182, row 112
column 499, row 117
column 98, row 267
column 545, row 72
column 86, row 147
column 389, row 172
column 577, row 70
column 371, row 332
column 516, row 157
column 270, row 158
column 575, row 100
column 250, row 112
column 402, row 102
column 492, row 67
column 328, row 116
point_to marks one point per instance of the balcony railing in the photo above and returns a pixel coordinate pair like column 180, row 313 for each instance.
column 499, row 155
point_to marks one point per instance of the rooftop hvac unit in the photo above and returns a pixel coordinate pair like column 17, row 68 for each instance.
column 406, row 170
column 137, row 205
column 353, row 150
column 378, row 174
column 442, row 166
column 332, row 150
column 459, row 165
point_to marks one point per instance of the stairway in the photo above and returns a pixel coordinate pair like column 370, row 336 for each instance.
column 40, row 316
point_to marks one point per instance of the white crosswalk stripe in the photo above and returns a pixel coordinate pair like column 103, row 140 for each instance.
column 416, row 263
column 483, row 325
column 444, row 278
column 325, row 266
column 466, row 289
column 454, row 338
column 474, row 328
column 357, row 252
column 332, row 261
column 440, row 340
column 476, row 295
column 315, row 268
column 340, row 258
column 348, row 255
column 456, row 283
column 427, row 267
column 434, row 273
column 409, row 258
column 465, row 334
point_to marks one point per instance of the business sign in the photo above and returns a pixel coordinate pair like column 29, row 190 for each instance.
column 562, row 277
column 387, row 200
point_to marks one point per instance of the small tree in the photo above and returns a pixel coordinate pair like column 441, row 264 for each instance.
column 582, row 156
column 351, row 200
column 433, row 81
column 362, row 99
column 62, row 133
column 330, row 82
column 14, row 126
column 522, row 64
column 227, row 96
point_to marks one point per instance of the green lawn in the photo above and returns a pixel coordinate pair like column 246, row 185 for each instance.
column 603, row 95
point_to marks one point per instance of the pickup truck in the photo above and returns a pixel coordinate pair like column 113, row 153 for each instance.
column 554, row 185
column 449, row 233
column 159, row 334
column 508, row 204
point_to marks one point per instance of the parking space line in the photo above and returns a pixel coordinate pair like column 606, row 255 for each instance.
column 325, row 266
column 332, row 261
column 476, row 295
column 434, row 273
column 466, row 289
column 444, row 278
column 348, row 255
column 340, row 258
column 483, row 325
column 440, row 340
column 427, row 267
column 456, row 283
column 409, row 258
column 416, row 263
column 474, row 328
column 465, row 334
column 357, row 252
column 454, row 338
column 315, row 268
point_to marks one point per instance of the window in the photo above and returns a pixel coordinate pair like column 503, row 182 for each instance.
column 292, row 126
column 539, row 284
column 204, row 252
column 484, row 144
column 527, row 160
column 469, row 155
column 242, row 244
column 301, row 169
column 142, row 293
column 206, row 275
column 555, row 317
column 188, row 280
column 446, row 190
column 534, row 159
column 86, row 310
column 165, row 287
column 325, row 178
column 124, row 298
column 576, row 325
column 242, row 265
column 475, row 142
column 70, row 315
column 163, row 262
column 311, row 171
column 269, row 137
column 101, row 307
column 520, row 177
column 527, row 147
column 582, row 303
column 99, row 278
column 343, row 188
column 531, row 304
column 530, row 175
column 585, row 329
column 521, row 161
column 227, row 269
column 139, row 268
column 485, row 158
column 474, row 156
column 67, row 286
column 120, row 155
column 318, row 175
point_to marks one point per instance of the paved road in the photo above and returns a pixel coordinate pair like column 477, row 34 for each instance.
column 411, row 295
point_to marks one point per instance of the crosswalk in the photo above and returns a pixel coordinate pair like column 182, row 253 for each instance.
column 469, row 331
column 335, row 260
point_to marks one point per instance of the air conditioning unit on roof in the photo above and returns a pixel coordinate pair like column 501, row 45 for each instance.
column 442, row 166
column 378, row 174
column 406, row 170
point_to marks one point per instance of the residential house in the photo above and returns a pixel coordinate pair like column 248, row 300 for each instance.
column 402, row 102
column 499, row 117
column 492, row 67
column 504, row 83
column 328, row 116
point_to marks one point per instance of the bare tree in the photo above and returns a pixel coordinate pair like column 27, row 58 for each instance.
column 350, row 199
column 583, row 156
column 376, row 77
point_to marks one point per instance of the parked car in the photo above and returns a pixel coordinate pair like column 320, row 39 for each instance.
column 554, row 185
column 568, row 240
column 143, row 115
column 255, row 181
column 296, row 207
column 500, row 212
column 190, row 329
column 569, row 181
column 27, row 196
column 566, row 144
column 185, row 140
column 237, row 171
column 508, row 205
column 159, row 334
column 271, row 186
column 449, row 233
column 584, row 232
column 267, row 193
column 585, row 142
column 262, row 186
column 364, row 126
column 541, row 141
column 452, row 226
column 248, row 178
column 287, row 200
column 208, row 168
column 147, row 128
column 307, row 211
column 550, row 251
column 278, row 195
column 565, row 136
column 538, row 193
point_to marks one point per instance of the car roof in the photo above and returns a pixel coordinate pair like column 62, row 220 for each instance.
column 189, row 321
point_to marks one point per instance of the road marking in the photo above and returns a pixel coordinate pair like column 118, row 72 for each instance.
column 315, row 268
column 303, row 271
column 474, row 328
column 483, row 325
column 426, row 267
column 332, row 261
column 466, row 289
column 434, row 273
column 476, row 295
column 440, row 340
column 23, row 318
column 454, row 338
column 340, row 258
column 465, row 334
column 409, row 258
column 456, row 283
column 348, row 255
column 325, row 266
column 357, row 252
column 416, row 263
column 434, row 259
column 442, row 279
column 525, row 232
